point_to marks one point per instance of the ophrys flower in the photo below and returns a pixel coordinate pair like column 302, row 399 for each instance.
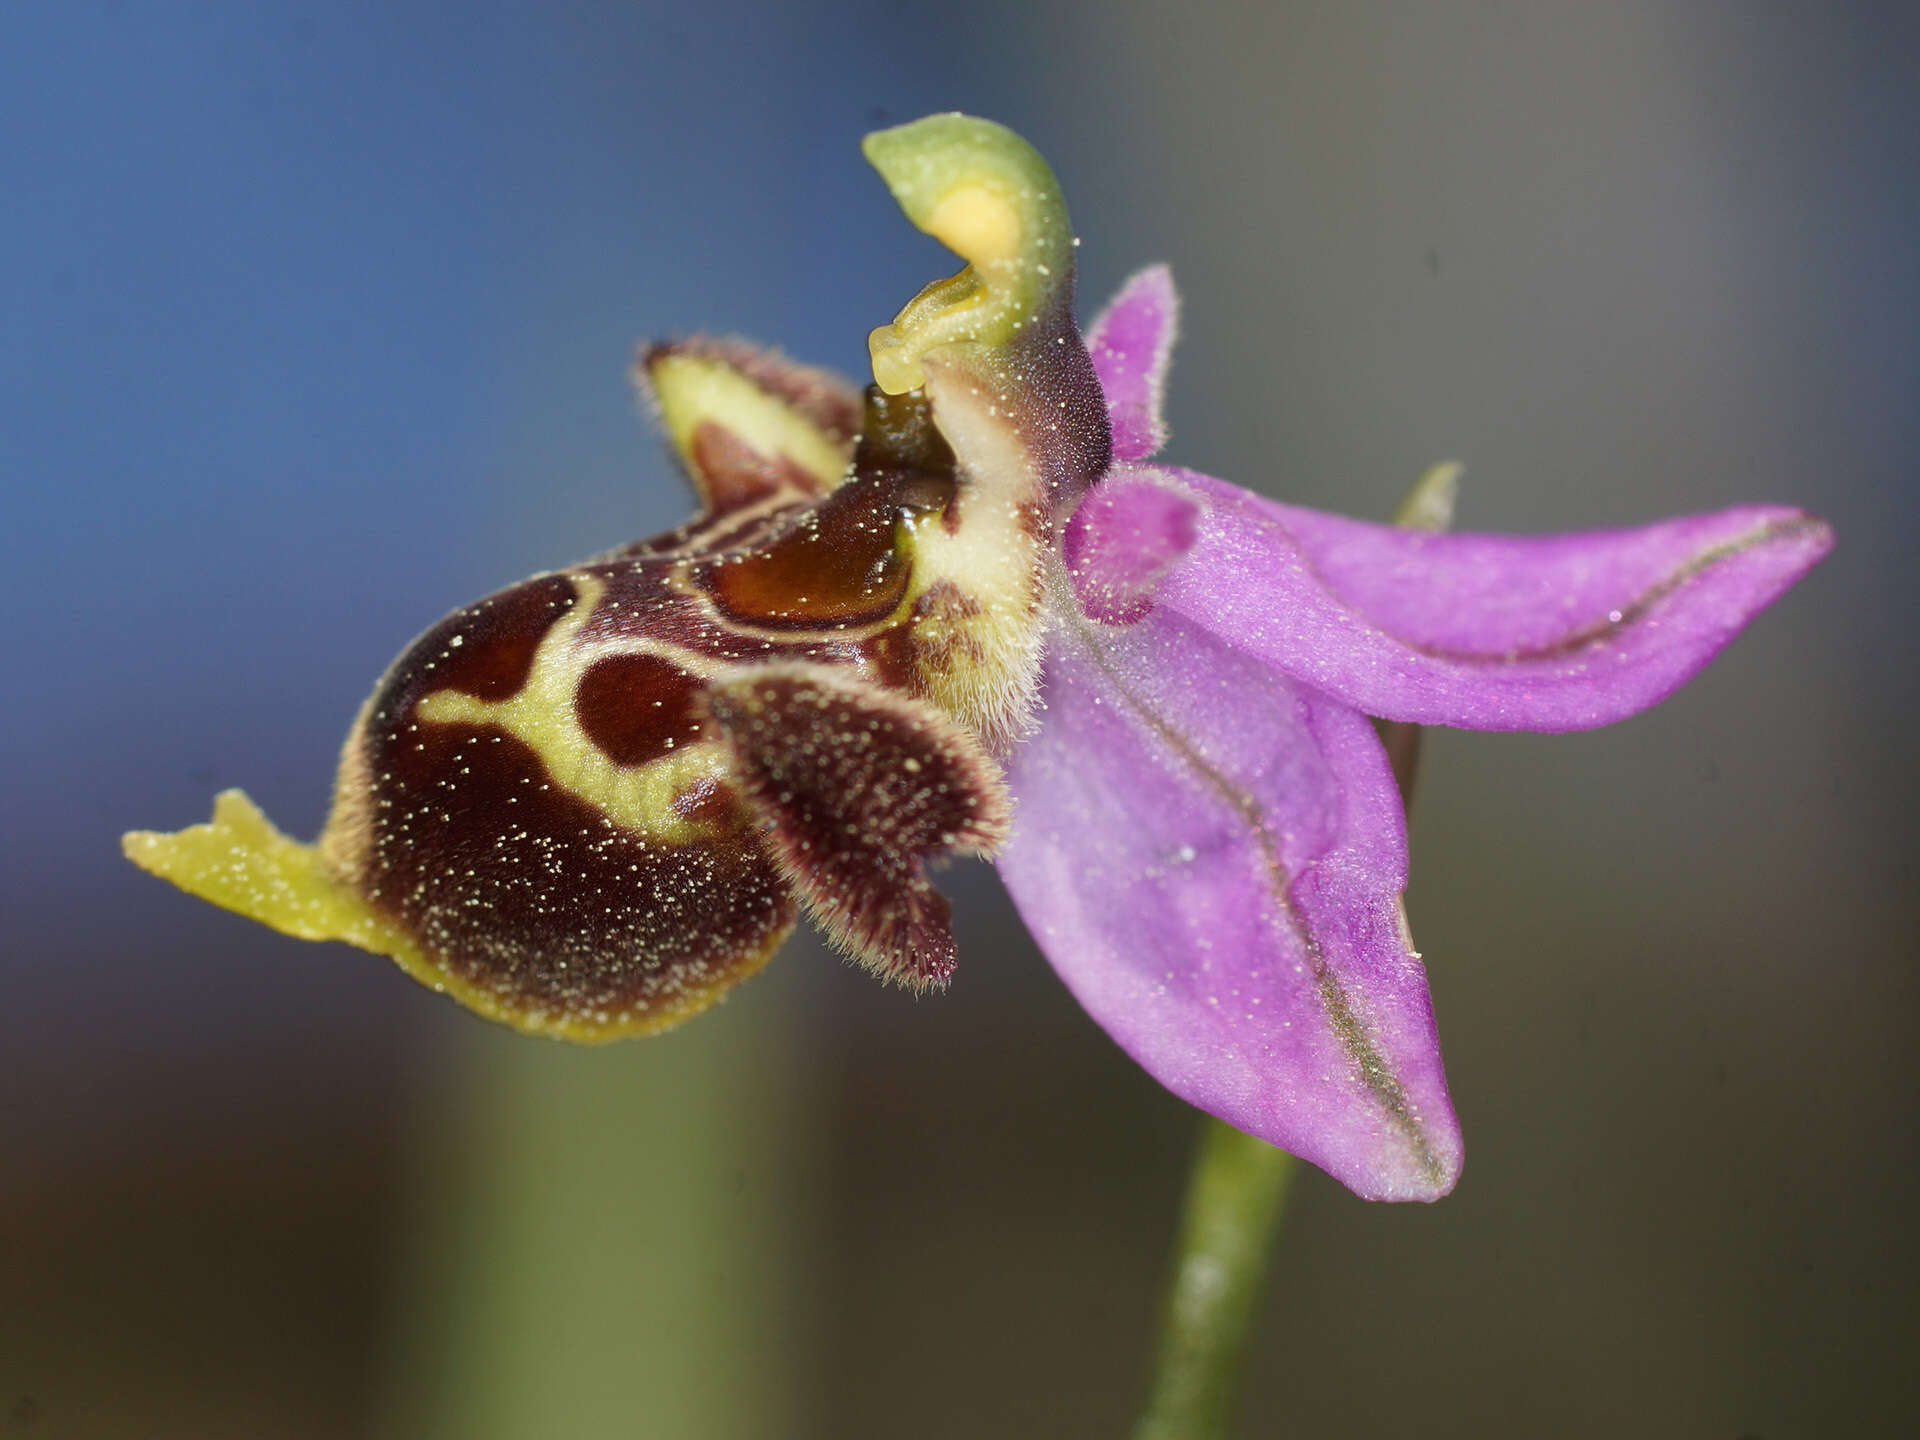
column 960, row 613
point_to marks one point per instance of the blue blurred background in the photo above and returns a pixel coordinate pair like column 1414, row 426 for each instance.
column 314, row 323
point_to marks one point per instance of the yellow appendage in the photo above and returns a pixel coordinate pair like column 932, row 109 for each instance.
column 241, row 862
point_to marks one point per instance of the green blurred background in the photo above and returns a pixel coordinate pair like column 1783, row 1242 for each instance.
column 313, row 322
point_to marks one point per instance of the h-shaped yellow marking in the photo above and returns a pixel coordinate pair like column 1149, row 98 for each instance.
column 543, row 716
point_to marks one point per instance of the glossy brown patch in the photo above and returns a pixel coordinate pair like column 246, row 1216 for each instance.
column 838, row 563
column 637, row 708
column 704, row 535
column 653, row 598
column 862, row 788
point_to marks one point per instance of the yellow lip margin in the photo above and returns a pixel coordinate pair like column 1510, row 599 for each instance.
column 241, row 862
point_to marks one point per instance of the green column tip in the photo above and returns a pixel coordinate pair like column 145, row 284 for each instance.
column 986, row 194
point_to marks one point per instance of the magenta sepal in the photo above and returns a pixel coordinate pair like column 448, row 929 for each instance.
column 1132, row 344
column 1487, row 632
column 1209, row 845
column 1212, row 856
column 1123, row 538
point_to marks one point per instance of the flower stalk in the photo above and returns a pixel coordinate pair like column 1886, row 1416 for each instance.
column 1238, row 1188
column 1235, row 1197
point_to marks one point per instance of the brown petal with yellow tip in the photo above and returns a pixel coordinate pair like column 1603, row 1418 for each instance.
column 750, row 425
column 860, row 788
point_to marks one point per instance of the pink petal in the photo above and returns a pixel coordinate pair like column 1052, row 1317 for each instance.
column 1489, row 632
column 1127, row 533
column 1131, row 344
column 1212, row 856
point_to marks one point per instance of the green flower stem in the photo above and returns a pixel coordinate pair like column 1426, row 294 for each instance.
column 1235, row 1197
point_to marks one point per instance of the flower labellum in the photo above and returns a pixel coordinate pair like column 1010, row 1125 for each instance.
column 962, row 613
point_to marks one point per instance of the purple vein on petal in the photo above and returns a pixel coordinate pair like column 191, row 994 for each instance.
column 1379, row 1077
column 1489, row 632
column 1212, row 856
column 1597, row 632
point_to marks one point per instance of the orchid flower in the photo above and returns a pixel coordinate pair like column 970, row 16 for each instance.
column 963, row 612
